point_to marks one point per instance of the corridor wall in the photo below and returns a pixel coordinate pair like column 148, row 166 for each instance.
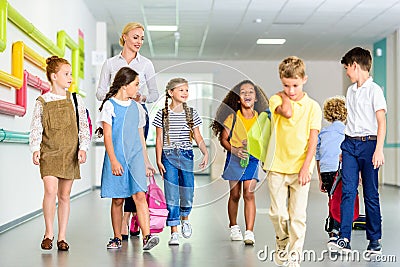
column 21, row 189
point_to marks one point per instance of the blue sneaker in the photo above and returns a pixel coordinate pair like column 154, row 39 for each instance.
column 340, row 245
column 374, row 247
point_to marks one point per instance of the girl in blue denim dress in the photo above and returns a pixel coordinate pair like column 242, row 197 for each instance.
column 176, row 126
column 234, row 118
column 126, row 163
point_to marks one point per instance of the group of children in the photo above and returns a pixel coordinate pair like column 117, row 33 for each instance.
column 290, row 158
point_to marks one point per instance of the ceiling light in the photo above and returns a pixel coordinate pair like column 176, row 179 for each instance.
column 162, row 28
column 270, row 41
column 258, row 20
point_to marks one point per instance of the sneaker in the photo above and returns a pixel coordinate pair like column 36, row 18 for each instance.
column 292, row 264
column 281, row 255
column 374, row 247
column 174, row 241
column 249, row 238
column 150, row 241
column 236, row 234
column 341, row 246
column 332, row 243
column 333, row 237
column 114, row 243
column 186, row 229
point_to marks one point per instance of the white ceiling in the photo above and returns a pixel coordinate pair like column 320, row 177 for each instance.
column 226, row 29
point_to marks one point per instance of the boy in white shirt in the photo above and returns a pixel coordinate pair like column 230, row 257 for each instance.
column 362, row 149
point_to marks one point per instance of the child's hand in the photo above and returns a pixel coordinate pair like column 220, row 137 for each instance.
column 239, row 152
column 137, row 97
column 204, row 162
column 304, row 176
column 321, row 186
column 116, row 168
column 36, row 157
column 282, row 94
column 161, row 169
column 82, row 156
column 150, row 170
column 378, row 159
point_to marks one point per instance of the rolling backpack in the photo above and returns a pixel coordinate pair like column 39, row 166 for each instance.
column 335, row 199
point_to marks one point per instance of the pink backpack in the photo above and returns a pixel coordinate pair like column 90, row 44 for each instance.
column 157, row 207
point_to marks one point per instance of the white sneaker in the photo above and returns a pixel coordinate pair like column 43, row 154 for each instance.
column 174, row 241
column 236, row 234
column 249, row 238
column 281, row 255
column 292, row 264
column 186, row 229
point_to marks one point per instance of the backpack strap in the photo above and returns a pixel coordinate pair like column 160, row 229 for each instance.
column 76, row 109
column 41, row 100
column 269, row 113
column 233, row 125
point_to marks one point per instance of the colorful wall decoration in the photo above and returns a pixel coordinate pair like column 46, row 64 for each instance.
column 20, row 52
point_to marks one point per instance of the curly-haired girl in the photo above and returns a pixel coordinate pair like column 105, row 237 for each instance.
column 235, row 116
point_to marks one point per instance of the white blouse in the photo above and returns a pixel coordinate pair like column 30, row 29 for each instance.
column 35, row 137
column 107, row 113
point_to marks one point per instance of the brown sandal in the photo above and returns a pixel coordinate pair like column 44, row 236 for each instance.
column 47, row 243
column 62, row 245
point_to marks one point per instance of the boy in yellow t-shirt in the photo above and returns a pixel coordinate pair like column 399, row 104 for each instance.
column 296, row 122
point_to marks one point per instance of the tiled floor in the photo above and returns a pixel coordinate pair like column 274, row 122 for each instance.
column 90, row 228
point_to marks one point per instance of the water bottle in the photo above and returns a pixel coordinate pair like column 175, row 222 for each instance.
column 244, row 162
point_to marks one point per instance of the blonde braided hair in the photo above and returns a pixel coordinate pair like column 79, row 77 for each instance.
column 171, row 85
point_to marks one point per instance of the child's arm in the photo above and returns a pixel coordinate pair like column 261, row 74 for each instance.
column 200, row 142
column 237, row 151
column 304, row 174
column 36, row 130
column 285, row 109
column 116, row 167
column 321, row 188
column 83, row 134
column 159, row 144
column 149, row 168
column 378, row 159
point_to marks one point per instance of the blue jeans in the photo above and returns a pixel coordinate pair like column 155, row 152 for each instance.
column 357, row 156
column 178, row 183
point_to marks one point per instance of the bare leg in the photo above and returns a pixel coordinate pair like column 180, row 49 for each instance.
column 116, row 216
column 249, row 203
column 142, row 212
column 125, row 223
column 50, row 184
column 233, row 202
column 64, row 191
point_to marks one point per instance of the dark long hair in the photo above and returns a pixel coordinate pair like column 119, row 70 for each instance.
column 124, row 76
column 231, row 104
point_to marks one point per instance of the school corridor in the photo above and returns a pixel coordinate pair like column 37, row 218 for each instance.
column 90, row 228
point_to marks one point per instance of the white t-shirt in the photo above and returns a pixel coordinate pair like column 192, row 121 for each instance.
column 362, row 104
column 107, row 113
